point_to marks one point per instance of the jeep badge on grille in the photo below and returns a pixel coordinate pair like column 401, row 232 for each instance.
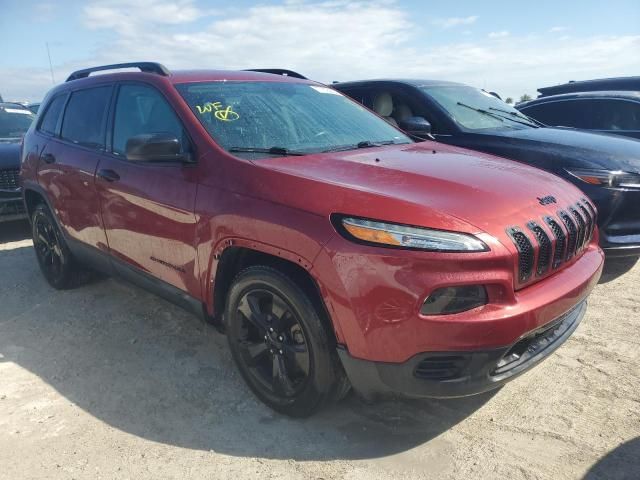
column 547, row 200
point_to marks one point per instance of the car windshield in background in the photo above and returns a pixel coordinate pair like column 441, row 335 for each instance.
column 262, row 119
column 14, row 122
column 475, row 109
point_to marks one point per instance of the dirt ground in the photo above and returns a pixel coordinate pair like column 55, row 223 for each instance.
column 107, row 381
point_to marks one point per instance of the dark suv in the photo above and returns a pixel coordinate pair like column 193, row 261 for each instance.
column 331, row 248
column 608, row 105
column 15, row 120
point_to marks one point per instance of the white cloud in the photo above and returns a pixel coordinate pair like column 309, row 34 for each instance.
column 330, row 40
column 557, row 29
column 500, row 34
column 455, row 21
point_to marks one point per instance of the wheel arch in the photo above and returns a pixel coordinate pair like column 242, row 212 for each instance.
column 236, row 257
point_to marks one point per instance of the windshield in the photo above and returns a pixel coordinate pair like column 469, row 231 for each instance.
column 261, row 119
column 475, row 109
column 14, row 122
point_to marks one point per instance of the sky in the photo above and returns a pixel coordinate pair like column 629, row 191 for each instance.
column 504, row 46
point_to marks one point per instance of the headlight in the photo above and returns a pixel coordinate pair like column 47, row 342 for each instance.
column 403, row 236
column 607, row 178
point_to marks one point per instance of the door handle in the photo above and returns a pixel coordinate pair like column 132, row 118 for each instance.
column 108, row 175
column 48, row 158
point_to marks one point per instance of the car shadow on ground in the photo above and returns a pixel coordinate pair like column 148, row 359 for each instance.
column 150, row 369
column 622, row 463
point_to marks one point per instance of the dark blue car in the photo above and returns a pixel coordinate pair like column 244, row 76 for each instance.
column 605, row 167
column 14, row 122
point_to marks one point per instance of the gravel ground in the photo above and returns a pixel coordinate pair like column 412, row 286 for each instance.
column 107, row 381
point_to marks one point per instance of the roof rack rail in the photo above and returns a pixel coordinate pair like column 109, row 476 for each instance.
column 278, row 71
column 149, row 67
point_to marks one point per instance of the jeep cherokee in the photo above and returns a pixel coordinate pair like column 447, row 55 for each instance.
column 332, row 249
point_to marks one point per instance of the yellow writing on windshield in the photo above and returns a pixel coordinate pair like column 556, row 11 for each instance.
column 224, row 114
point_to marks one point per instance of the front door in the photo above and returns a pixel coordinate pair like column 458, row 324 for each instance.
column 148, row 207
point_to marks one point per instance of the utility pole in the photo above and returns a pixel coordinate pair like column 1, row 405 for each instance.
column 53, row 81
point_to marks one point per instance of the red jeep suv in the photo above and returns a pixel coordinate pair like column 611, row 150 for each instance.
column 332, row 249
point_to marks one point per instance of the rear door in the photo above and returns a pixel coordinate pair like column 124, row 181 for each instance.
column 148, row 207
column 69, row 159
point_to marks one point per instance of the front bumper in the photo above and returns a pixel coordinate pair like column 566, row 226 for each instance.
column 12, row 207
column 462, row 373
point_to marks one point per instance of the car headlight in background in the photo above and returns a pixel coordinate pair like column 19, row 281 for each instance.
column 403, row 236
column 607, row 178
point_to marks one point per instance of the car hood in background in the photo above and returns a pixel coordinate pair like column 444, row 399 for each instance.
column 579, row 148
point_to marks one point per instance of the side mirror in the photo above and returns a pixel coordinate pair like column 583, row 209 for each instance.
column 155, row 147
column 418, row 126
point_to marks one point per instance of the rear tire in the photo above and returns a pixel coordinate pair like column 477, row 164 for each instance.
column 57, row 264
column 282, row 347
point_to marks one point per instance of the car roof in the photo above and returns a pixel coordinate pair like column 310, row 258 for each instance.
column 600, row 84
column 613, row 94
column 185, row 76
column 411, row 82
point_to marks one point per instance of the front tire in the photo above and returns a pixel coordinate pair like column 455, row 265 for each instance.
column 280, row 343
column 56, row 262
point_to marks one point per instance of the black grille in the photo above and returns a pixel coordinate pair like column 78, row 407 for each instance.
column 9, row 179
column 525, row 253
column 561, row 241
column 572, row 234
column 544, row 248
column 582, row 228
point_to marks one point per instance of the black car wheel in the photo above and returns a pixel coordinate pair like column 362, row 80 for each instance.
column 56, row 261
column 280, row 343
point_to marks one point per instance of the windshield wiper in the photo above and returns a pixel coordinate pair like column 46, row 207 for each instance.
column 484, row 112
column 280, row 151
column 529, row 121
column 363, row 144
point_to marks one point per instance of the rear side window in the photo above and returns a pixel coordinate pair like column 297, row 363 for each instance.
column 50, row 120
column 143, row 110
column 569, row 113
column 85, row 117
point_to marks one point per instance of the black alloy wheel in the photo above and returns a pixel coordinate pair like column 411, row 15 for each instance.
column 281, row 343
column 272, row 342
column 56, row 261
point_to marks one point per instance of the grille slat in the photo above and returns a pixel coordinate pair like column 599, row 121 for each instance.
column 572, row 234
column 525, row 253
column 560, row 243
column 582, row 228
column 9, row 179
column 589, row 220
column 544, row 248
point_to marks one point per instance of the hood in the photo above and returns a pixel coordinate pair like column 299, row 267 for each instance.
column 9, row 155
column 426, row 184
column 580, row 148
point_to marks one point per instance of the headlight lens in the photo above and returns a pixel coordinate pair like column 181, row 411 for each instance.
column 607, row 178
column 402, row 236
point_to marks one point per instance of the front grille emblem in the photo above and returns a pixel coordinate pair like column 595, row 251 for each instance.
column 549, row 199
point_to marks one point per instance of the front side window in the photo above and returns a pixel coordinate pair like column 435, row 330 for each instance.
column 141, row 109
column 85, row 117
column 14, row 122
column 475, row 109
column 291, row 117
column 49, row 122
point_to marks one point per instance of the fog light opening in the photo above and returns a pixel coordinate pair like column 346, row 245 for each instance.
column 449, row 300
